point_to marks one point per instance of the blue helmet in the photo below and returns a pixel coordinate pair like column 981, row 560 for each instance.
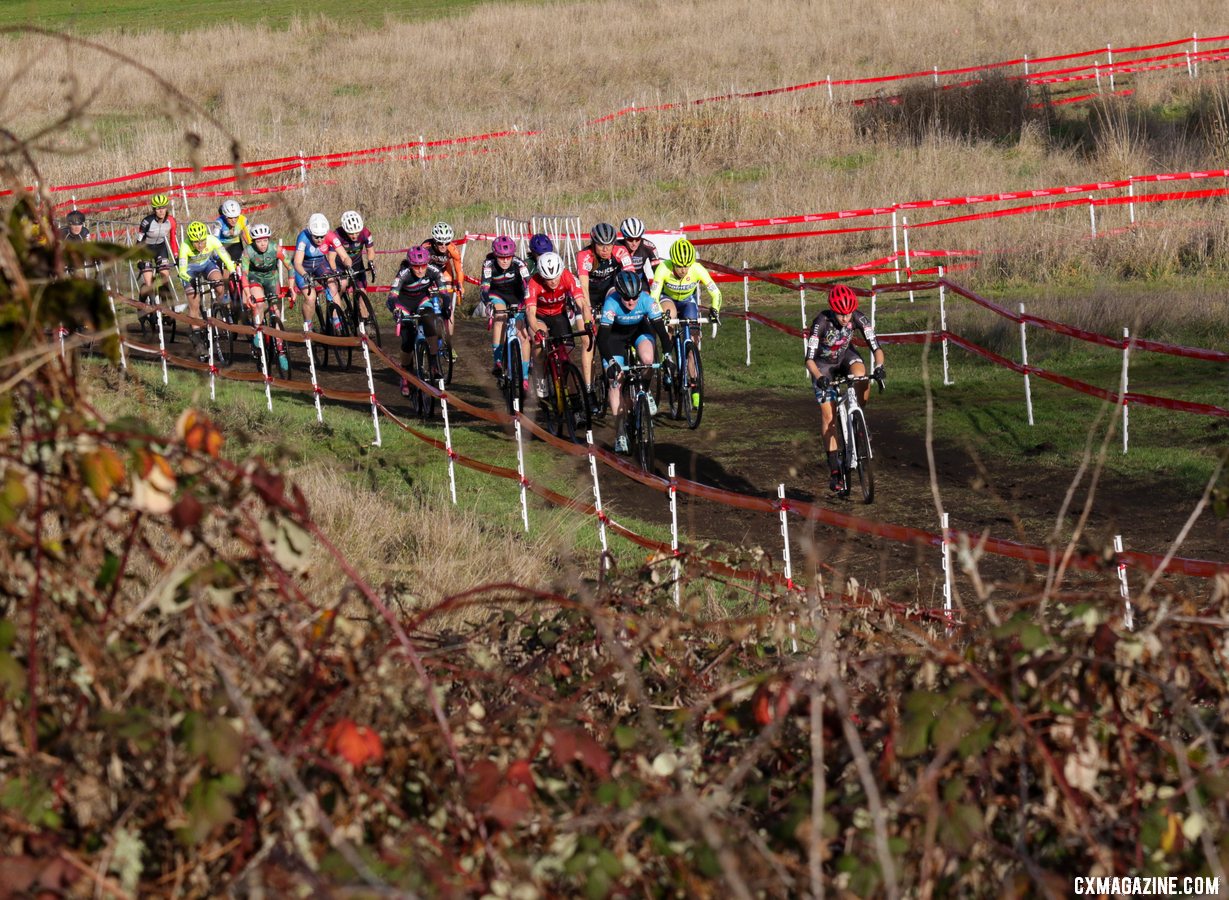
column 539, row 244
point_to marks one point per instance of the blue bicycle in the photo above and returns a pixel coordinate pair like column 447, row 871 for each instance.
column 426, row 364
column 683, row 378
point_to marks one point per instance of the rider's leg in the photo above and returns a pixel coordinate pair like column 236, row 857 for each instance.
column 586, row 355
column 858, row 368
column 433, row 329
column 499, row 322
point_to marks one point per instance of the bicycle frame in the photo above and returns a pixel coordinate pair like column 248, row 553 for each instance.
column 850, row 421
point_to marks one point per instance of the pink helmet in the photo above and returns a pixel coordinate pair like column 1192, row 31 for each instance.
column 418, row 256
column 503, row 246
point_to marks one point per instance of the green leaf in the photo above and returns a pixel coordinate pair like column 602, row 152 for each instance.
column 108, row 572
column 976, row 741
column 12, row 677
column 960, row 827
column 625, row 737
column 8, row 634
column 921, row 707
column 953, row 724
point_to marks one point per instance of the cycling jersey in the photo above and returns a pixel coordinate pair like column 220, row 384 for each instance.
column 158, row 234
column 828, row 341
column 412, row 293
column 684, row 289
column 602, row 272
column 310, row 250
column 228, row 235
column 448, row 261
column 352, row 244
column 617, row 325
column 194, row 262
column 615, row 313
column 262, row 267
column 504, row 285
column 546, row 302
column 644, row 259
column 66, row 234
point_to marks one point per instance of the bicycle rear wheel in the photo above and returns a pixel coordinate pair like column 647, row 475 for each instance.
column 644, row 433
column 575, row 406
column 223, row 338
column 862, row 446
column 341, row 328
column 673, row 386
column 693, row 386
column 514, row 388
column 445, row 362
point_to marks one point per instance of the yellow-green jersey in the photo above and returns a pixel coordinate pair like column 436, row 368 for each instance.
column 190, row 258
column 682, row 290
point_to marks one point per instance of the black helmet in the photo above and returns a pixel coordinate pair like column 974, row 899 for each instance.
column 628, row 285
column 76, row 217
column 603, row 233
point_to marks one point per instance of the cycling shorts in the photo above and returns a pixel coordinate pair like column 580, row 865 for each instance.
column 559, row 326
column 634, row 335
column 409, row 333
column 313, row 265
column 206, row 268
column 161, row 261
column 267, row 282
column 840, row 366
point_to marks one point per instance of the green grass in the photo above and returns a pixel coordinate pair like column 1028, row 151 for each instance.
column 83, row 17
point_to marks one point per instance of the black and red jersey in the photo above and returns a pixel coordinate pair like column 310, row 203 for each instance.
column 828, row 339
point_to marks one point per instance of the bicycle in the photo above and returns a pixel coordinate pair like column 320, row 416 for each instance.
column 358, row 305
column 164, row 296
column 422, row 403
column 853, row 439
column 508, row 352
column 276, row 349
column 637, row 382
column 332, row 320
column 221, row 339
column 566, row 405
column 684, row 381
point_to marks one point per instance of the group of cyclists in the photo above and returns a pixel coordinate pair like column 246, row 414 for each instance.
column 623, row 296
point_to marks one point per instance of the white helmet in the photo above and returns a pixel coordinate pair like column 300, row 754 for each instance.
column 317, row 225
column 442, row 232
column 351, row 222
column 260, row 231
column 231, row 208
column 632, row 227
column 550, row 265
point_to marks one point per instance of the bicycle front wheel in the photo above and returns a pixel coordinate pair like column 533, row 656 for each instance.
column 422, row 400
column 644, row 434
column 341, row 328
column 693, row 386
column 575, row 402
column 366, row 313
column 514, row 393
column 862, row 448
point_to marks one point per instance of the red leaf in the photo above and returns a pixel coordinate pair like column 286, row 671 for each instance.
column 356, row 744
column 510, row 806
column 187, row 512
column 520, row 773
column 484, row 778
column 574, row 744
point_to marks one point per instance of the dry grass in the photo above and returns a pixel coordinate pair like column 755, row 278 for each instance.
column 784, row 155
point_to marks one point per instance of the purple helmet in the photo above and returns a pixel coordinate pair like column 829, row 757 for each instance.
column 418, row 256
column 503, row 246
column 539, row 244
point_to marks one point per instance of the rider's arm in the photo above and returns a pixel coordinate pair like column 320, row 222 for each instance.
column 714, row 292
column 582, row 299
column 222, row 255
column 818, row 325
column 395, row 288
column 659, row 278
column 484, row 287
column 455, row 271
column 173, row 232
column 183, row 261
column 531, row 310
column 524, row 280
column 624, row 258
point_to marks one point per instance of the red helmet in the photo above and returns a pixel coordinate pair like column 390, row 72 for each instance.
column 842, row 299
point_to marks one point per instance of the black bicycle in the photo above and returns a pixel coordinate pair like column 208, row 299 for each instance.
column 217, row 309
column 332, row 320
column 358, row 305
column 683, row 381
column 637, row 383
column 566, row 405
column 422, row 403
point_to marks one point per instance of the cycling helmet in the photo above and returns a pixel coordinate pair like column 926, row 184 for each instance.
column 628, row 285
column 159, row 201
column 603, row 233
column 197, row 231
column 76, row 217
column 231, row 209
column 539, row 244
column 317, row 225
column 442, row 232
column 550, row 265
column 632, row 228
column 260, row 231
column 842, row 299
column 682, row 253
column 351, row 222
column 418, row 256
column 503, row 246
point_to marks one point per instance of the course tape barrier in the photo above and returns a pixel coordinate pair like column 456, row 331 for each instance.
column 1121, row 65
column 805, row 510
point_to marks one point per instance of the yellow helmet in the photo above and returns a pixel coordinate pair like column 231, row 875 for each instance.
column 158, row 201
column 197, row 231
column 682, row 253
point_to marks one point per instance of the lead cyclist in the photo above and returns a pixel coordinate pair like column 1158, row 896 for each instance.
column 676, row 285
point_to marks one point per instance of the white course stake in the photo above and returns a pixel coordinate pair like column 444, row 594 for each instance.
column 452, row 468
column 936, row 76
column 1128, row 614
column 183, row 191
column 597, row 499
column 895, row 248
column 1092, row 216
column 908, row 264
column 311, row 367
column 213, row 370
column 520, row 461
column 674, row 535
column 830, row 89
column 123, row 357
column 1026, row 65
column 1131, row 194
column 874, row 300
column 60, row 332
column 170, row 175
column 747, row 308
column 802, row 305
column 947, row 571
column 1189, row 71
column 161, row 344
column 1096, row 70
column 1109, row 59
column 264, row 367
column 1126, row 357
column 1028, row 388
column 943, row 325
column 302, row 169
column 783, row 508
column 371, row 386
column 1195, row 54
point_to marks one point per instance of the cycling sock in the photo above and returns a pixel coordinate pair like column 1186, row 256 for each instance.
column 524, row 368
column 834, row 461
column 495, row 353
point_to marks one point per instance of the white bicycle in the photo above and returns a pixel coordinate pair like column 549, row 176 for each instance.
column 853, row 438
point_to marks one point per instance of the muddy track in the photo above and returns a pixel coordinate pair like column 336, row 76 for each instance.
column 982, row 495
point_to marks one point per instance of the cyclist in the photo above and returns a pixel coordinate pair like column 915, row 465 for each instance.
column 447, row 258
column 505, row 282
column 830, row 351
column 158, row 234
column 201, row 254
column 416, row 291
column 553, row 294
column 355, row 239
column 597, row 264
column 679, row 278
column 629, row 316
column 75, row 229
column 642, row 251
column 231, row 228
column 539, row 244
column 260, row 262
column 310, row 262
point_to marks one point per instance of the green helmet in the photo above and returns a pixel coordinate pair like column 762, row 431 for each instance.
column 197, row 231
column 682, row 253
column 157, row 201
